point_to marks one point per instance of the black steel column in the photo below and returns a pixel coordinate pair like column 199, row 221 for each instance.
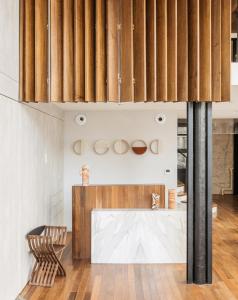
column 199, row 214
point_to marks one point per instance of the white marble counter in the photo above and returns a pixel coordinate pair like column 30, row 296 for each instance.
column 138, row 236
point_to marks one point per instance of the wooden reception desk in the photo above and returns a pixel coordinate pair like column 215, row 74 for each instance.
column 105, row 196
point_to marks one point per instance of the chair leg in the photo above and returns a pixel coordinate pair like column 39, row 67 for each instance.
column 61, row 270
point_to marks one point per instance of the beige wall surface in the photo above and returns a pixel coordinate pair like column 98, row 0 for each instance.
column 222, row 154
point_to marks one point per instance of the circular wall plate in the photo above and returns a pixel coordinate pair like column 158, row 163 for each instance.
column 160, row 118
column 121, row 147
column 101, row 147
column 78, row 147
column 81, row 119
column 154, row 146
column 139, row 147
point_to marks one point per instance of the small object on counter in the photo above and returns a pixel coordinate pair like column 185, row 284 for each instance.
column 85, row 175
column 155, row 201
column 172, row 198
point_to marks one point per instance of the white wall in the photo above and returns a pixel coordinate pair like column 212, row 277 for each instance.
column 113, row 168
column 31, row 163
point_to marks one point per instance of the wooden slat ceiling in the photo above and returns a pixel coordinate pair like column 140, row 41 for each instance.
column 125, row 50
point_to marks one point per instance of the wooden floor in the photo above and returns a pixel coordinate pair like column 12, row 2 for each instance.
column 106, row 282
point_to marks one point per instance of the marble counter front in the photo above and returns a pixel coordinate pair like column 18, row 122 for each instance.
column 138, row 236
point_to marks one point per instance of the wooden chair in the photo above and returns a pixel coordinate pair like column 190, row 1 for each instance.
column 47, row 244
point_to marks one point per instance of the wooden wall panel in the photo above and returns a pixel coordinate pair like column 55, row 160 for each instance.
column 106, row 196
column 193, row 53
column 225, row 49
column 162, row 50
column 101, row 51
column 216, row 50
column 179, row 50
column 90, row 51
column 29, row 48
column 139, row 50
column 205, row 50
column 112, row 51
column 56, row 50
column 151, row 65
column 68, row 50
column 41, row 50
column 182, row 50
column 126, row 34
column 22, row 51
column 79, row 53
column 172, row 50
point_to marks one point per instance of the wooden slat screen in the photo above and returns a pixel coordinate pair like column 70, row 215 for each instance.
column 125, row 50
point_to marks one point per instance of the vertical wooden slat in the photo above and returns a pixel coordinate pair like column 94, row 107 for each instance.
column 139, row 50
column 205, row 50
column 112, row 51
column 68, row 50
column 90, row 50
column 79, row 59
column 225, row 49
column 41, row 50
column 162, row 50
column 100, row 51
column 127, row 86
column 151, row 50
column 22, row 50
column 193, row 52
column 172, row 50
column 56, row 50
column 182, row 50
column 29, row 52
column 216, row 50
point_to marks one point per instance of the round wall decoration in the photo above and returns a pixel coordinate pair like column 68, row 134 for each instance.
column 154, row 146
column 101, row 147
column 78, row 147
column 139, row 147
column 160, row 118
column 81, row 119
column 121, row 147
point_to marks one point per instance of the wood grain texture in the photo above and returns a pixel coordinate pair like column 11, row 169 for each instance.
column 172, row 50
column 79, row 53
column 90, row 51
column 139, row 50
column 126, row 38
column 112, row 51
column 225, row 50
column 41, row 50
column 127, row 50
column 29, row 51
column 193, row 53
column 110, row 196
column 162, row 50
column 151, row 65
column 101, row 65
column 68, row 50
column 205, row 50
column 216, row 49
column 56, row 50
column 22, row 51
column 182, row 50
column 152, row 281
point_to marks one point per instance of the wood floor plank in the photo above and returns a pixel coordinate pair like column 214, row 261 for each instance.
column 152, row 281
